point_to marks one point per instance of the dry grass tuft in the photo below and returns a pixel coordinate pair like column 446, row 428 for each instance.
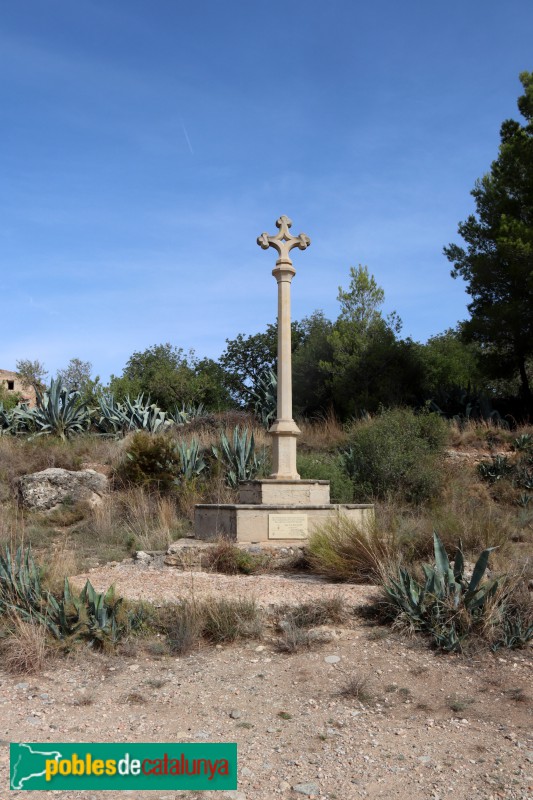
column 24, row 648
column 134, row 519
column 517, row 695
column 83, row 699
column 152, row 521
column 344, row 551
column 330, row 610
column 465, row 512
column 214, row 619
column 12, row 526
column 20, row 455
column 229, row 559
column 182, row 625
column 357, row 688
column 479, row 435
column 293, row 639
column 228, row 620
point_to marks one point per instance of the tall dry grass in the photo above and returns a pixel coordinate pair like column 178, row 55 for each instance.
column 24, row 646
column 322, row 433
column 61, row 562
column 464, row 512
column 137, row 519
column 345, row 551
column 484, row 434
column 12, row 526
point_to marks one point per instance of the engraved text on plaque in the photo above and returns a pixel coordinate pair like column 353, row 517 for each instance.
column 287, row 526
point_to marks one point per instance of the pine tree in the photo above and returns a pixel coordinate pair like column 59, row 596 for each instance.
column 497, row 263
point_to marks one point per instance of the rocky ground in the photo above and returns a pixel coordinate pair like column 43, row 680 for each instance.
column 416, row 725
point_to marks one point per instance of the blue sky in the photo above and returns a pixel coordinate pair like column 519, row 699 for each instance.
column 146, row 145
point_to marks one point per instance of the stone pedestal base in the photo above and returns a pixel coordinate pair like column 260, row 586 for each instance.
column 292, row 492
column 288, row 524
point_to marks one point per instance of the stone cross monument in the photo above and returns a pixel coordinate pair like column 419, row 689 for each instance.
column 284, row 430
column 280, row 509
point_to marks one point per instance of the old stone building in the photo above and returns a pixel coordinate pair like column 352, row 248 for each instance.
column 11, row 382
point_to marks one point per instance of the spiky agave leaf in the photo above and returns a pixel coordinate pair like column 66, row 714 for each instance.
column 59, row 412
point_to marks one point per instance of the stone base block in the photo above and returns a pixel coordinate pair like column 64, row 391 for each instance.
column 286, row 493
column 290, row 524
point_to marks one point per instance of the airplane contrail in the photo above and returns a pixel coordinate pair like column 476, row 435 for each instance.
column 187, row 137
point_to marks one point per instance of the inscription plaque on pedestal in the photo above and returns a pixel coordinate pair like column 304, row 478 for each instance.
column 287, row 526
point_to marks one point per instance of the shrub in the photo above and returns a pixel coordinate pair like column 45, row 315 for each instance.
column 397, row 454
column 327, row 467
column 227, row 558
column 344, row 551
column 151, row 461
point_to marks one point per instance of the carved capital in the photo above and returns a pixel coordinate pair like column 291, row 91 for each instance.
column 283, row 242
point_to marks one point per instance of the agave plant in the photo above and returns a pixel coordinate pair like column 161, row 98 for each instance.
column 433, row 606
column 112, row 418
column 145, row 416
column 496, row 469
column 523, row 442
column 58, row 412
column 91, row 615
column 6, row 419
column 20, row 583
column 191, row 459
column 524, row 477
column 131, row 415
column 238, row 456
column 264, row 397
column 517, row 630
column 186, row 414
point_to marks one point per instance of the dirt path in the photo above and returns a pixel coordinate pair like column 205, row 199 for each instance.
column 404, row 741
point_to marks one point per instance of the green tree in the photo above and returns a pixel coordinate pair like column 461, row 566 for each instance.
column 32, row 373
column 76, row 375
column 247, row 359
column 171, row 378
column 497, row 263
column 311, row 386
column 369, row 365
column 449, row 361
column 361, row 303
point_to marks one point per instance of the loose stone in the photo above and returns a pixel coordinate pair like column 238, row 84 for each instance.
column 306, row 788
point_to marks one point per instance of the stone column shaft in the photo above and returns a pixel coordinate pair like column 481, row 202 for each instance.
column 284, row 277
column 284, row 430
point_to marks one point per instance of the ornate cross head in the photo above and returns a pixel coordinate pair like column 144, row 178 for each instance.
column 283, row 242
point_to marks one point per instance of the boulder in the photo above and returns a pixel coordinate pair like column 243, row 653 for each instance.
column 49, row 489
